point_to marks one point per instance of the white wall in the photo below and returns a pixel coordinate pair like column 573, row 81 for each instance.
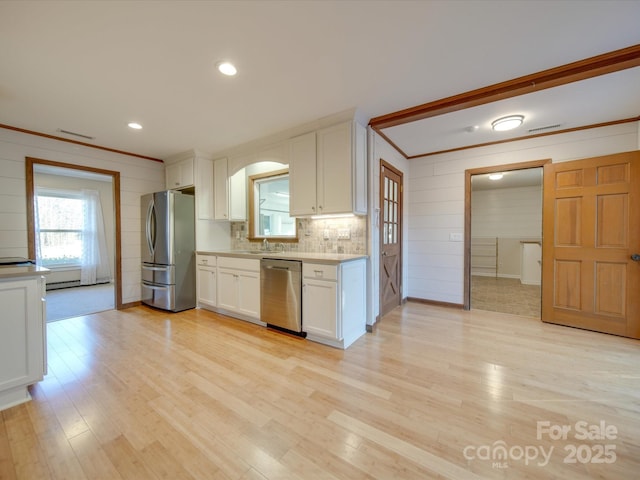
column 436, row 199
column 379, row 149
column 510, row 215
column 137, row 177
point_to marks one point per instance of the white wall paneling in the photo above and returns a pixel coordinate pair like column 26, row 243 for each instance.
column 379, row 149
column 436, row 199
column 137, row 177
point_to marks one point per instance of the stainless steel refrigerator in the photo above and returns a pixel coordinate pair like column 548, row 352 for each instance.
column 168, row 250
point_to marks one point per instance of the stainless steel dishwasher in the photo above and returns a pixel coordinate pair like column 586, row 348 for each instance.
column 281, row 294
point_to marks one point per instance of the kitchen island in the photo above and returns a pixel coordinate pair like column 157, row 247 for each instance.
column 333, row 290
column 23, row 357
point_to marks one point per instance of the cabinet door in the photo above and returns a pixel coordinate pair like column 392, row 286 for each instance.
column 204, row 189
column 334, row 168
column 173, row 176
column 180, row 174
column 249, row 293
column 319, row 308
column 186, row 172
column 238, row 196
column 227, row 289
column 360, row 169
column 207, row 286
column 302, row 175
column 21, row 334
column 220, row 189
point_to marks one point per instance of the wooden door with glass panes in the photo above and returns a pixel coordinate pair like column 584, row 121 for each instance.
column 390, row 238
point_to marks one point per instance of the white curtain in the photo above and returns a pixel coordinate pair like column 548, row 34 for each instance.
column 36, row 221
column 95, row 259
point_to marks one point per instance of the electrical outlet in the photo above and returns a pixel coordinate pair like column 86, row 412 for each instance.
column 455, row 237
column 325, row 234
column 344, row 234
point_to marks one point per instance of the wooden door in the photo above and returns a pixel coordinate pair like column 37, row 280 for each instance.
column 390, row 238
column 591, row 236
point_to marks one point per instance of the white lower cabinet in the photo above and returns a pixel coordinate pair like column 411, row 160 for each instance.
column 333, row 296
column 22, row 338
column 206, row 281
column 334, row 302
column 238, row 292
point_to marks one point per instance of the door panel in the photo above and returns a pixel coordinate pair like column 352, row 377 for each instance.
column 390, row 238
column 589, row 277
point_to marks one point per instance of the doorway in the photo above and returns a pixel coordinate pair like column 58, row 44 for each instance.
column 63, row 187
column 390, row 238
column 503, row 238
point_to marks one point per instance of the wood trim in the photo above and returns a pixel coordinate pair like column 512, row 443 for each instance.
column 130, row 305
column 30, row 189
column 76, row 142
column 436, row 303
column 467, row 213
column 581, row 70
column 388, row 140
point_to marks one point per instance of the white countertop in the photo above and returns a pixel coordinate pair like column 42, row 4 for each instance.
column 17, row 271
column 326, row 258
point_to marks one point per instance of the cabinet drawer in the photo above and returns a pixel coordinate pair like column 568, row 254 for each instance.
column 320, row 271
column 206, row 260
column 239, row 263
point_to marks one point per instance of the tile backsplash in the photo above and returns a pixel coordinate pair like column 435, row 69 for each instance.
column 327, row 235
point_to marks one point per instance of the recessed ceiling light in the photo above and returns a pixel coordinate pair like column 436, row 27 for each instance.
column 227, row 68
column 507, row 123
column 495, row 176
column 135, row 126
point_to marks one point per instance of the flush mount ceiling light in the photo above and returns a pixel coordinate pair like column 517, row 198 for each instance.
column 507, row 123
column 134, row 125
column 227, row 68
column 495, row 176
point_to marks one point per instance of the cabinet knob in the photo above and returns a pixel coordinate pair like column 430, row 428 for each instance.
column 313, row 208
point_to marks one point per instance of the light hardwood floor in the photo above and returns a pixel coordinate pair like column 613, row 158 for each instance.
column 142, row 394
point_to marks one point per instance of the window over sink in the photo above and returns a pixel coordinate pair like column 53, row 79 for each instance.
column 269, row 207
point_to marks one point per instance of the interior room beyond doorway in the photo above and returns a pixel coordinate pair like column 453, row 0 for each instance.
column 506, row 242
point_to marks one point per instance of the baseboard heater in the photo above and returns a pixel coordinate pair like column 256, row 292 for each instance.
column 69, row 284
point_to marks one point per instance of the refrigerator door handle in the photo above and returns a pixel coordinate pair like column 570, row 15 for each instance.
column 150, row 228
column 156, row 287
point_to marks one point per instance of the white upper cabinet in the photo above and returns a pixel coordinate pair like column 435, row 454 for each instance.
column 328, row 171
column 238, row 196
column 221, row 189
column 193, row 170
column 204, row 188
column 180, row 174
column 302, row 175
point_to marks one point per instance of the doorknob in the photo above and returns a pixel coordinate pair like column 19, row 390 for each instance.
column 635, row 257
column 384, row 254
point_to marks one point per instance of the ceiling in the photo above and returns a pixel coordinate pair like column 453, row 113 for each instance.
column 92, row 67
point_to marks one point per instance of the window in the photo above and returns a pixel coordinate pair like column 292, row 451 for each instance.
column 269, row 207
column 60, row 222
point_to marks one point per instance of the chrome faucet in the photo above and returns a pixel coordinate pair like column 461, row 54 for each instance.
column 265, row 245
column 280, row 246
